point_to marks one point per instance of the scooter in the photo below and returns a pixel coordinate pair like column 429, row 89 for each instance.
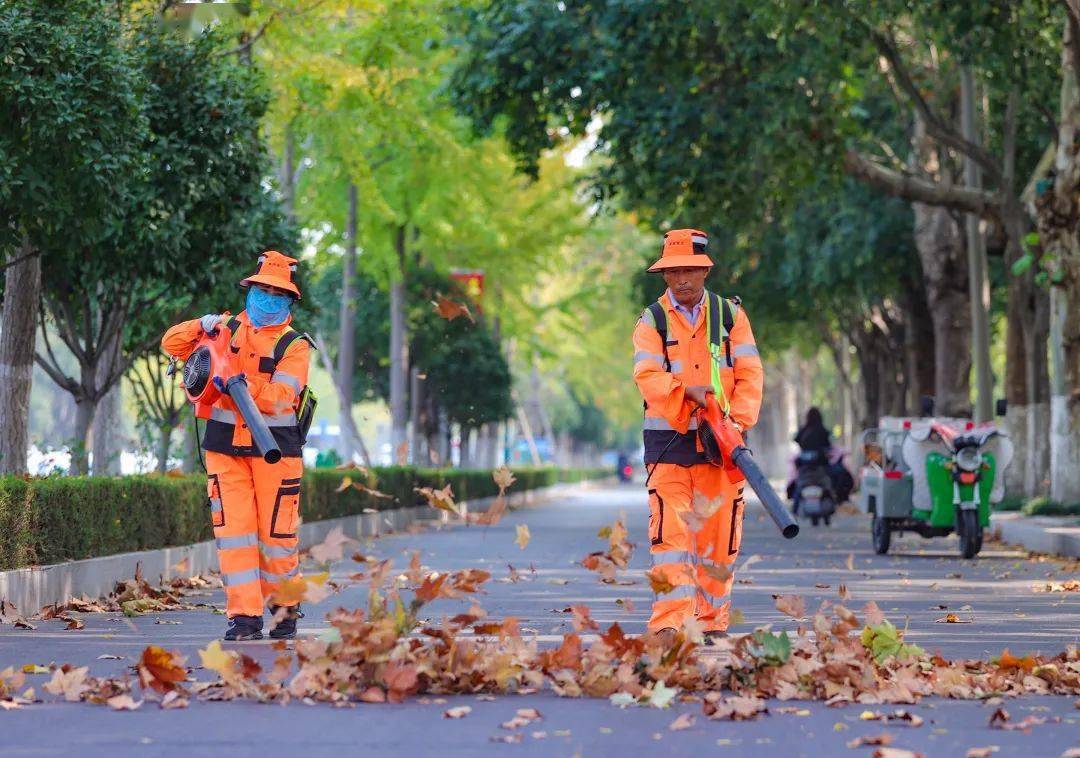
column 814, row 496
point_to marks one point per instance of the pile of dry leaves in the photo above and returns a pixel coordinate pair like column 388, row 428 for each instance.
column 132, row 597
column 385, row 653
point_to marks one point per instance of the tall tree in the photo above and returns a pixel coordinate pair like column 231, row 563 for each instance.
column 69, row 131
column 195, row 209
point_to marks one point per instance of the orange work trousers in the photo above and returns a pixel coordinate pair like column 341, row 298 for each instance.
column 680, row 554
column 255, row 510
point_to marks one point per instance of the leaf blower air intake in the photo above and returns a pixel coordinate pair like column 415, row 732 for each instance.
column 209, row 359
column 724, row 446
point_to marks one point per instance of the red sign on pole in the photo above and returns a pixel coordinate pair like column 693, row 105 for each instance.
column 472, row 282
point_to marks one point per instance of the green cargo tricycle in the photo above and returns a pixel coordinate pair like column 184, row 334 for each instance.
column 932, row 477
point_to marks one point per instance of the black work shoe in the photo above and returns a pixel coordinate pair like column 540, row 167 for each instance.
column 711, row 638
column 285, row 629
column 244, row 628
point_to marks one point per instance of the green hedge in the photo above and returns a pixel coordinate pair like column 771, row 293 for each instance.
column 55, row 519
column 1044, row 506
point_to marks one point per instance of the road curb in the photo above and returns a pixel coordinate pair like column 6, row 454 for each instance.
column 29, row 589
column 1043, row 534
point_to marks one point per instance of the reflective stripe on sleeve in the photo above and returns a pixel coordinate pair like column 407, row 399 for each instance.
column 744, row 350
column 645, row 355
column 289, row 379
column 240, row 540
column 676, row 367
column 240, row 577
column 647, row 318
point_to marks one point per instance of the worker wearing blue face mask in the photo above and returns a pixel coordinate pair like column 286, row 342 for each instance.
column 254, row 505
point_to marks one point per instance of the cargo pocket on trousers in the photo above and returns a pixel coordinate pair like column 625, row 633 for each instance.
column 656, row 518
column 286, row 509
column 213, row 501
column 735, row 540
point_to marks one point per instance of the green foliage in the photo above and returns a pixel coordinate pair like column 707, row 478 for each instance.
column 1044, row 506
column 772, row 649
column 45, row 521
column 885, row 641
column 70, row 126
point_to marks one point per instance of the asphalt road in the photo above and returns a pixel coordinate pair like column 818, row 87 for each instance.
column 994, row 592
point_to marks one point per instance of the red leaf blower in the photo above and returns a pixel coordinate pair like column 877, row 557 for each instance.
column 724, row 446
column 209, row 359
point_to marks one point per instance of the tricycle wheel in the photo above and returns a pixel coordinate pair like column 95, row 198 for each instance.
column 828, row 519
column 970, row 534
column 881, row 533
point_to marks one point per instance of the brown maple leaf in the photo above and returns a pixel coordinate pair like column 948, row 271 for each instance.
column 161, row 670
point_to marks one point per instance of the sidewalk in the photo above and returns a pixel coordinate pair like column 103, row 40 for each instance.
column 1057, row 535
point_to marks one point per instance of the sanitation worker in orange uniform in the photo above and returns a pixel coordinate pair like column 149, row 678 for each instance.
column 687, row 345
column 254, row 505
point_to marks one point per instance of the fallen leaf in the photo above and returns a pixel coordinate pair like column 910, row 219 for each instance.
column 346, row 482
column 882, row 739
column 450, row 309
column 659, row 582
column 70, row 684
column 503, row 477
column 791, row 605
column 215, row 658
column 161, row 670
column 849, row 563
column 523, row 536
column 458, row 712
column 952, row 618
column 332, row 548
column 124, row 703
column 442, row 500
column 684, row 721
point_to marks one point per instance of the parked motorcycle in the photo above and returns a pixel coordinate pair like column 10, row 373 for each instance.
column 813, row 493
column 933, row 477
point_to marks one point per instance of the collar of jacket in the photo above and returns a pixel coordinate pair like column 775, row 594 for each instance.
column 243, row 317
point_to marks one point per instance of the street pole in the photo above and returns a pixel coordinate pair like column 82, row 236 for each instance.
column 978, row 282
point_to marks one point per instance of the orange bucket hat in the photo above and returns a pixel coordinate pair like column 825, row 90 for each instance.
column 683, row 248
column 274, row 270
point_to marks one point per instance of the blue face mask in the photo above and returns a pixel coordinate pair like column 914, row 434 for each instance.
column 265, row 308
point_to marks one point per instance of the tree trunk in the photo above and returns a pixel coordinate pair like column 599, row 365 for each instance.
column 107, row 433
column 189, row 462
column 416, row 452
column 978, row 283
column 84, row 418
column 164, row 444
column 1058, row 219
column 918, row 342
column 347, row 332
column 1017, row 411
column 399, row 351
column 944, row 263
column 18, row 330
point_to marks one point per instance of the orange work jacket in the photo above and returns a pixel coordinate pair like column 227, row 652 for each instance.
column 663, row 374
column 275, row 360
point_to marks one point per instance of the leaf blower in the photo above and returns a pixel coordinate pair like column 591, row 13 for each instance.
column 209, row 359
column 724, row 446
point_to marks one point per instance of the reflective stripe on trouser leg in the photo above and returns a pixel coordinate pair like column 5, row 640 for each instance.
column 237, row 538
column 277, row 496
column 682, row 556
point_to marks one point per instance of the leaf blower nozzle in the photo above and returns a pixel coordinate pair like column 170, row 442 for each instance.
column 209, row 359
column 724, row 446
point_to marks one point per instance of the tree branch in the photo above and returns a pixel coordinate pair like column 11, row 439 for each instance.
column 935, row 126
column 916, row 189
column 20, row 259
column 250, row 40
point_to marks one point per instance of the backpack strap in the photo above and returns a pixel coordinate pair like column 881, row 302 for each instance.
column 718, row 338
column 285, row 340
column 659, row 316
column 232, row 325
